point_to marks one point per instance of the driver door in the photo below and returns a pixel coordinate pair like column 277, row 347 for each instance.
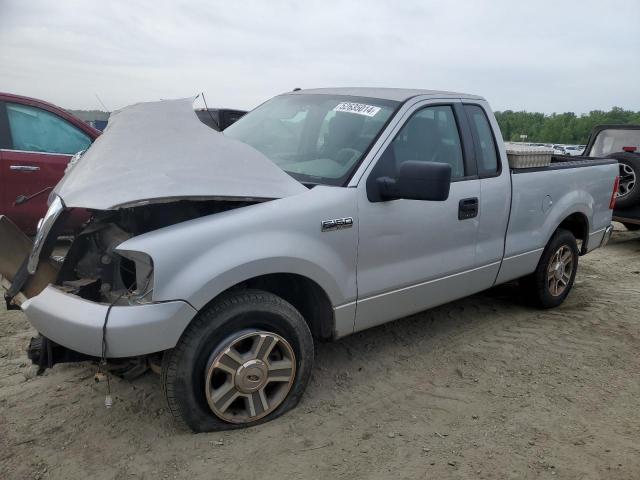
column 416, row 254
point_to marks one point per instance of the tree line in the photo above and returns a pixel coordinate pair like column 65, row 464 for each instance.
column 565, row 128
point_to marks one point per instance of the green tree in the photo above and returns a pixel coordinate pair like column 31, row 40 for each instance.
column 567, row 128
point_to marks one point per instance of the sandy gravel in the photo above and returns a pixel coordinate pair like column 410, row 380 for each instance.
column 480, row 388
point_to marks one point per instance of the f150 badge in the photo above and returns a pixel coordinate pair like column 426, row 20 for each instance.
column 337, row 224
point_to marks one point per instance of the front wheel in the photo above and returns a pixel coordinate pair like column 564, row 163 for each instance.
column 245, row 359
column 553, row 278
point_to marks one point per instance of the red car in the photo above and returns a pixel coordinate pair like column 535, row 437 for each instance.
column 37, row 140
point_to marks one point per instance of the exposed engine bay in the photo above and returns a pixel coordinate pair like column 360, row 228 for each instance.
column 92, row 269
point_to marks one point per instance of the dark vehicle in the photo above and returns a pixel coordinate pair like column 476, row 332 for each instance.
column 621, row 142
column 219, row 118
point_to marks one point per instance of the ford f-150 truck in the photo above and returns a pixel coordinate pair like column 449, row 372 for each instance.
column 221, row 258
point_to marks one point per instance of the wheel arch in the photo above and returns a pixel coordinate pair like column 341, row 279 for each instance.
column 305, row 294
column 578, row 224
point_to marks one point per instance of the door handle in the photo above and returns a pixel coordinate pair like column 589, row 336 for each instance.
column 24, row 168
column 468, row 208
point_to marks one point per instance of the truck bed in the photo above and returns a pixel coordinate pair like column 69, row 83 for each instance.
column 543, row 197
column 561, row 162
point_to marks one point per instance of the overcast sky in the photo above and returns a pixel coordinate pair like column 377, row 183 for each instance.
column 538, row 55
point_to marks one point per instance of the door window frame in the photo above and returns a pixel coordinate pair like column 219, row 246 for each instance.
column 5, row 128
column 476, row 141
column 464, row 132
column 6, row 142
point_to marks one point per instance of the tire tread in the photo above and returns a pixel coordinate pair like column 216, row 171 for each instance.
column 534, row 286
column 190, row 336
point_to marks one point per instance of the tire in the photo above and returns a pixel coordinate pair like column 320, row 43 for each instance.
column 238, row 322
column 629, row 189
column 539, row 286
column 632, row 227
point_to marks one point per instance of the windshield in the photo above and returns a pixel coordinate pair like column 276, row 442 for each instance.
column 314, row 138
column 614, row 141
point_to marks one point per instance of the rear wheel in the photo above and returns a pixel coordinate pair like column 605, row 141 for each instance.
column 553, row 278
column 245, row 359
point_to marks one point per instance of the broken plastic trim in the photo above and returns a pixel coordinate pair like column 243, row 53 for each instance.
column 22, row 278
column 55, row 210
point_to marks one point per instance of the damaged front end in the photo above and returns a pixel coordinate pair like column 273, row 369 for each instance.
column 22, row 274
column 156, row 165
column 96, row 272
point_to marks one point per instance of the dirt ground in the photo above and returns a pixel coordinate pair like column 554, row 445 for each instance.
column 480, row 388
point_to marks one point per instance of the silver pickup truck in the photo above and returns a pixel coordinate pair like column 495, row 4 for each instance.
column 221, row 259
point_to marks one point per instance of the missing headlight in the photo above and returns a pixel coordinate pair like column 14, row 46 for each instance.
column 136, row 275
column 95, row 270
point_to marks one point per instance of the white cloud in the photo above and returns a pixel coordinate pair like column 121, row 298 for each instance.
column 543, row 56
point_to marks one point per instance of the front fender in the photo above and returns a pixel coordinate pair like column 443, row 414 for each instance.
column 213, row 271
column 197, row 260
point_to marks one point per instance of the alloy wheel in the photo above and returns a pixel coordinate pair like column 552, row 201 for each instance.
column 559, row 270
column 249, row 376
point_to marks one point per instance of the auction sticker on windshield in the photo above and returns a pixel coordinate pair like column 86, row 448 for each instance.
column 359, row 108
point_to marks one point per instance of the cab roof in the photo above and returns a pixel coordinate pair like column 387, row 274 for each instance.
column 397, row 94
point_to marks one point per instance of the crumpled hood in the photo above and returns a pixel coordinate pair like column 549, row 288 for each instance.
column 159, row 151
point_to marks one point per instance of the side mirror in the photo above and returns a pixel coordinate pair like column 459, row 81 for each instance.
column 417, row 181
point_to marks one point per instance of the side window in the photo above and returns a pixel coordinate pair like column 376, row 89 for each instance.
column 430, row 135
column 485, row 146
column 36, row 130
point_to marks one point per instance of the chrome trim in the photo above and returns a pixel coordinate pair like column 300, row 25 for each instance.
column 336, row 224
column 415, row 285
column 592, row 242
column 55, row 209
column 523, row 253
column 345, row 305
column 24, row 168
column 607, row 236
column 34, row 151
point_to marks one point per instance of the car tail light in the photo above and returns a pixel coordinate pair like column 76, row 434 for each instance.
column 612, row 202
column 629, row 149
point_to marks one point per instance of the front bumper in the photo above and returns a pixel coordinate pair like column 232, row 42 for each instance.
column 76, row 323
